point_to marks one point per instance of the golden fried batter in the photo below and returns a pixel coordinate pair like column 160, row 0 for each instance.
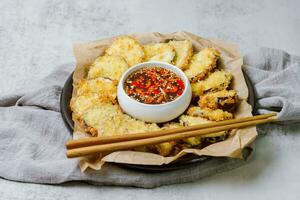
column 80, row 104
column 170, row 125
column 224, row 99
column 213, row 115
column 186, row 120
column 192, row 141
column 111, row 67
column 165, row 148
column 183, row 53
column 128, row 48
column 104, row 88
column 191, row 121
column 159, row 52
column 219, row 80
column 202, row 63
column 110, row 120
column 92, row 93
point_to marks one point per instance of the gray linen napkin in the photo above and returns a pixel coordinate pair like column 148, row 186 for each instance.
column 33, row 134
column 275, row 76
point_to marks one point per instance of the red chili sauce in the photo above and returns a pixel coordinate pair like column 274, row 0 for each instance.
column 153, row 85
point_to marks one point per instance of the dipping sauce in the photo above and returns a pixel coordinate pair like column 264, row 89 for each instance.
column 153, row 85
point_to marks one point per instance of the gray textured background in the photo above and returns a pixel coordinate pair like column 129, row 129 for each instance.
column 36, row 36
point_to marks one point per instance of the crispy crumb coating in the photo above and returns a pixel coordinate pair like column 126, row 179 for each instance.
column 187, row 120
column 183, row 53
column 92, row 93
column 165, row 148
column 128, row 48
column 111, row 67
column 219, row 80
column 202, row 63
column 103, row 87
column 192, row 141
column 80, row 104
column 213, row 115
column 110, row 120
column 159, row 52
column 224, row 99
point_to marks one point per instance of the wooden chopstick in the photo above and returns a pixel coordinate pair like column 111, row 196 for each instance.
column 71, row 144
column 83, row 151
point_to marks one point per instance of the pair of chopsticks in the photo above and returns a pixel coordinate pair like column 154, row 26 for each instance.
column 88, row 146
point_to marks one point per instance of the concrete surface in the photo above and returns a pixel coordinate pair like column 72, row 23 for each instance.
column 36, row 36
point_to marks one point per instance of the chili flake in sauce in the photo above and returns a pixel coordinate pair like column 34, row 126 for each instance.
column 154, row 85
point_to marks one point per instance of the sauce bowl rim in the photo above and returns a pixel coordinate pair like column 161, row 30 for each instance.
column 168, row 66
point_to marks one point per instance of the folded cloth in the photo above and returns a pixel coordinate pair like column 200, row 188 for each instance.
column 33, row 134
column 275, row 76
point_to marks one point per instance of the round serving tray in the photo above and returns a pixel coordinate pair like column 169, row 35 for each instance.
column 185, row 161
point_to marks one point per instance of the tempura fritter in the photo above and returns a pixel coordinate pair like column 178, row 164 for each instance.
column 201, row 64
column 219, row 80
column 170, row 125
column 192, row 141
column 110, row 120
column 183, row 53
column 213, row 115
column 92, row 93
column 159, row 52
column 106, row 66
column 104, row 88
column 224, row 99
column 165, row 148
column 191, row 121
column 82, row 103
column 128, row 48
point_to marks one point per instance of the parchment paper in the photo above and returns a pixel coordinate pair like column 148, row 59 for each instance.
column 230, row 59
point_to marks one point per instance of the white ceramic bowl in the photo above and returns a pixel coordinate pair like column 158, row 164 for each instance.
column 154, row 112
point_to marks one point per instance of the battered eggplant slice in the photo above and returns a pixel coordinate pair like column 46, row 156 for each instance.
column 202, row 64
column 104, row 88
column 166, row 148
column 159, row 52
column 110, row 120
column 92, row 93
column 128, row 48
column 111, row 67
column 224, row 99
column 100, row 119
column 186, row 120
column 88, row 116
column 191, row 121
column 80, row 104
column 183, row 53
column 219, row 80
column 207, row 113
column 191, row 141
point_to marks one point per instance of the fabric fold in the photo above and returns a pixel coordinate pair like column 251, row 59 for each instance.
column 47, row 98
column 275, row 76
